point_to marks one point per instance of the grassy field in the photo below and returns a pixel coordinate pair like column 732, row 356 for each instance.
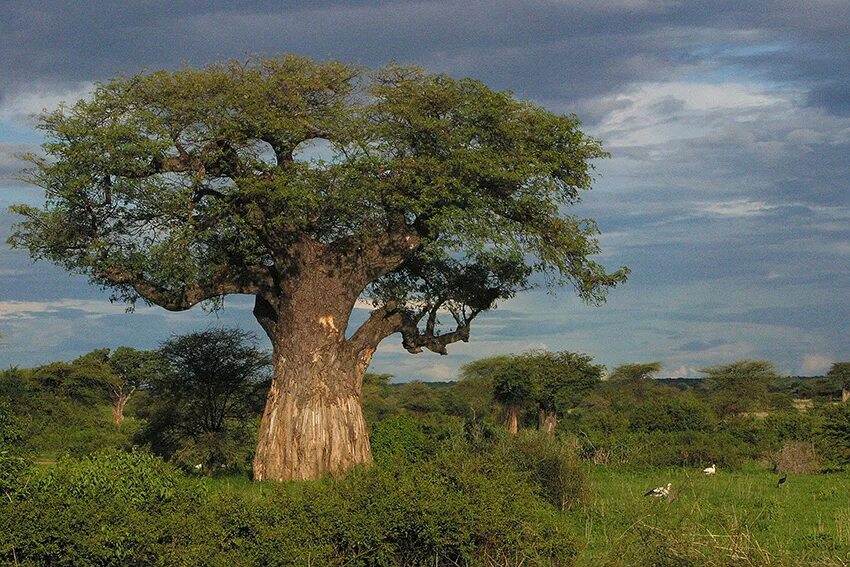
column 733, row 518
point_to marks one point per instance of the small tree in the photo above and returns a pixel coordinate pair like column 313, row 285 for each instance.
column 839, row 376
column 201, row 406
column 633, row 382
column 131, row 370
column 515, row 387
column 740, row 386
column 562, row 380
column 418, row 397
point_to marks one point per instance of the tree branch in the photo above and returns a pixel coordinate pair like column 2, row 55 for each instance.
column 191, row 294
column 382, row 323
column 391, row 318
column 414, row 340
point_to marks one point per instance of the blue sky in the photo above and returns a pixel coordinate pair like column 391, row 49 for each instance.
column 727, row 193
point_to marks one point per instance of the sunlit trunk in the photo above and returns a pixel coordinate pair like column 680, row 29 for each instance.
column 313, row 424
column 513, row 420
column 547, row 421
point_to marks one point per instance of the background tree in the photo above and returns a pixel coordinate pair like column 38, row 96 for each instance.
column 839, row 376
column 634, row 372
column 84, row 380
column 378, row 401
column 200, row 408
column 633, row 382
column 515, row 387
column 418, row 397
column 740, row 386
column 438, row 197
column 131, row 370
column 562, row 380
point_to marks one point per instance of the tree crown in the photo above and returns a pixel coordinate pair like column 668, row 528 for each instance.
column 181, row 187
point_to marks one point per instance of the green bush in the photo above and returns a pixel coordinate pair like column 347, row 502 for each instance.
column 397, row 438
column 677, row 413
column 136, row 477
column 111, row 508
column 834, row 436
column 552, row 465
column 13, row 461
column 455, row 508
column 665, row 449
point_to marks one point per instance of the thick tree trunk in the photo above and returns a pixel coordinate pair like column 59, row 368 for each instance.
column 547, row 421
column 312, row 424
column 513, row 420
column 845, row 394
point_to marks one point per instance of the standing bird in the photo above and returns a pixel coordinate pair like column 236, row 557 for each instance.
column 710, row 470
column 660, row 492
column 782, row 480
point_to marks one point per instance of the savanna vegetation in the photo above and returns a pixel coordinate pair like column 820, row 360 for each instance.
column 434, row 199
column 450, row 483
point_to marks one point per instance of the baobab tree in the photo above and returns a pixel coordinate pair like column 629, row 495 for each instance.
column 435, row 199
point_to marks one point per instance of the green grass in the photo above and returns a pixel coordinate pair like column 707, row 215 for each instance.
column 733, row 518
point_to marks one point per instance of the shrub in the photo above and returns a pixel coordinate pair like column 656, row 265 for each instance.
column 136, row 477
column 677, row 413
column 397, row 438
column 797, row 457
column 107, row 509
column 456, row 508
column 552, row 465
column 13, row 462
column 834, row 437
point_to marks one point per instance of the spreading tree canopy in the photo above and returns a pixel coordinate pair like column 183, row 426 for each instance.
column 433, row 199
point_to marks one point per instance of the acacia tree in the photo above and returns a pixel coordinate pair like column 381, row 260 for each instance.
column 438, row 197
column 201, row 403
column 839, row 375
column 131, row 369
column 740, row 386
column 515, row 387
column 564, row 379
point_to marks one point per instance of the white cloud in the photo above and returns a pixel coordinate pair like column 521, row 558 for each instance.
column 27, row 102
column 655, row 113
column 30, row 309
column 683, row 371
column 734, row 208
column 815, row 364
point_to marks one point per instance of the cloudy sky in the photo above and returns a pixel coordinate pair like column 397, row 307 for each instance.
column 727, row 193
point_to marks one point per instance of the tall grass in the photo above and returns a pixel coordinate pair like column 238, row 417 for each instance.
column 739, row 518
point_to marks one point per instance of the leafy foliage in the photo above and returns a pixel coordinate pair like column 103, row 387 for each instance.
column 839, row 375
column 133, row 509
column 181, row 187
column 740, row 386
column 200, row 410
column 634, row 372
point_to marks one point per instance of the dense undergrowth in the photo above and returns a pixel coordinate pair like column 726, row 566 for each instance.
column 449, row 486
column 460, row 505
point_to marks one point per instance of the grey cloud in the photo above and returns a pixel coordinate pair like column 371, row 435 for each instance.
column 697, row 346
column 546, row 50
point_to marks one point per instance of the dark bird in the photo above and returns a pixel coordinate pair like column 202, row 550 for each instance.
column 660, row 492
column 782, row 480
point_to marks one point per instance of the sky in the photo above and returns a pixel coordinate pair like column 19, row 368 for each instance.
column 727, row 193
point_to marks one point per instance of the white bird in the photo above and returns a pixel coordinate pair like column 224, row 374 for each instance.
column 198, row 466
column 710, row 470
column 660, row 492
